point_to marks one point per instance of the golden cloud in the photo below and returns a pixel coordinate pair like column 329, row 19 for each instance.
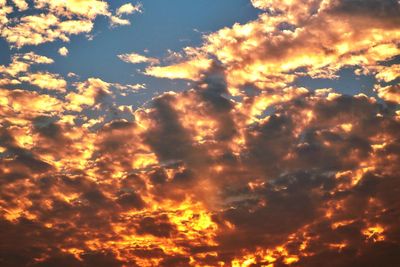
column 268, row 54
column 223, row 174
column 389, row 93
column 191, row 69
column 135, row 58
column 45, row 80
column 177, row 185
column 87, row 94
column 27, row 104
column 55, row 20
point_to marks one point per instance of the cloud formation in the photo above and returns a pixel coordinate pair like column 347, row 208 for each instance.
column 300, row 38
column 63, row 51
column 128, row 8
column 193, row 181
column 49, row 21
column 135, row 58
column 244, row 169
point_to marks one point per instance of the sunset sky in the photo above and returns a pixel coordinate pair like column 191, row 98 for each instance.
column 204, row 133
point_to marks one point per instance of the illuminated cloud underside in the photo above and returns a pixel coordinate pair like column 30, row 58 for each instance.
column 215, row 175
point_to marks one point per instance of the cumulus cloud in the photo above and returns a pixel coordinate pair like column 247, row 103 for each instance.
column 298, row 38
column 22, row 63
column 21, row 4
column 125, row 9
column 243, row 169
column 128, row 8
column 63, row 51
column 390, row 93
column 193, row 177
column 388, row 74
column 45, row 80
column 55, row 20
column 42, row 28
column 19, row 70
column 87, row 94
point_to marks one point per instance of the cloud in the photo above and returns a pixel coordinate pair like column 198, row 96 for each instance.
column 88, row 93
column 128, row 8
column 22, row 62
column 45, row 80
column 191, row 69
column 63, row 51
column 135, row 58
column 389, row 93
column 42, row 28
column 21, row 4
column 188, row 178
column 125, row 9
column 243, row 169
column 28, row 103
column 119, row 21
column 298, row 38
column 89, row 9
column 49, row 21
column 19, row 70
column 388, row 74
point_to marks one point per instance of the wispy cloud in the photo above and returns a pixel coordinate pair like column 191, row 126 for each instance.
column 135, row 58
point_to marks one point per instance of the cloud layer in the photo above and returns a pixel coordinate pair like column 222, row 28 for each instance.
column 243, row 169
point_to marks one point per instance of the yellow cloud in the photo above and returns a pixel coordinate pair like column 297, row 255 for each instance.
column 45, row 80
column 319, row 38
column 63, row 51
column 89, row 9
column 38, row 29
column 388, row 74
column 191, row 69
column 57, row 19
column 29, row 104
column 390, row 93
column 128, row 8
column 135, row 58
column 21, row 4
column 22, row 63
column 86, row 94
column 115, row 20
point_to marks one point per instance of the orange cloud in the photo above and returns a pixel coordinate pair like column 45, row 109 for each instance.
column 388, row 74
column 45, row 80
column 389, row 93
column 243, row 169
column 315, row 38
column 175, row 185
column 87, row 94
column 27, row 104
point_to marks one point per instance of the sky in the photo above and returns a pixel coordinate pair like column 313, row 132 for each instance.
column 239, row 133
